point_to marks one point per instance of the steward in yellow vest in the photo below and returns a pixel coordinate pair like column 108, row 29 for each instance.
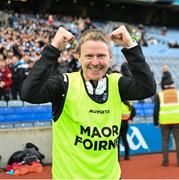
column 166, row 113
column 169, row 106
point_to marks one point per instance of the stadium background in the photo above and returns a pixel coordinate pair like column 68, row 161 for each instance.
column 148, row 12
column 18, row 122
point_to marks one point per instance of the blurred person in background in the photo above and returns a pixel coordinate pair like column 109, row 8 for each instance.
column 37, row 55
column 166, row 114
column 87, row 104
column 128, row 111
column 51, row 20
column 164, row 31
column 31, row 62
column 125, row 71
column 166, row 77
column 5, row 80
column 63, row 61
column 9, row 59
column 18, row 75
column 74, row 64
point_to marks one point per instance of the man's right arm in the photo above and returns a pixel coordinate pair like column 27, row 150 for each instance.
column 40, row 86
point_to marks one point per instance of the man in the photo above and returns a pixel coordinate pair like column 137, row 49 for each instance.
column 87, row 104
column 166, row 113
column 166, row 76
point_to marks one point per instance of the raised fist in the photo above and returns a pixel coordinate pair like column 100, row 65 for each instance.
column 62, row 38
column 121, row 37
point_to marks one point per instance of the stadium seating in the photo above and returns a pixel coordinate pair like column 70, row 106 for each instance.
column 17, row 111
column 46, row 104
column 15, row 103
column 144, row 110
column 30, row 104
column 41, row 114
column 3, row 103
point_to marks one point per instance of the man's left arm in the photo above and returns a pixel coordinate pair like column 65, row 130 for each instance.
column 142, row 85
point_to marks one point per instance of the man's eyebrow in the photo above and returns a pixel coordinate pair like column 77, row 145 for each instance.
column 89, row 54
column 101, row 54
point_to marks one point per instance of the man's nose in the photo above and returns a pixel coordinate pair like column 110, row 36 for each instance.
column 95, row 60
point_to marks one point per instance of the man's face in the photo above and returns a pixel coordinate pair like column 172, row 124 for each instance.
column 95, row 59
column 165, row 68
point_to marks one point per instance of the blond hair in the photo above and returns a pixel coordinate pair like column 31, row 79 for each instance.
column 95, row 35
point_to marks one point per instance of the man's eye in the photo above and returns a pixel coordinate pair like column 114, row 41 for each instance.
column 101, row 56
column 89, row 56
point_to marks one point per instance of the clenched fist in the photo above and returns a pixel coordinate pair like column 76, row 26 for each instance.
column 122, row 37
column 62, row 38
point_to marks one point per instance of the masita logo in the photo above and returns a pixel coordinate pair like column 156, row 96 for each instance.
column 99, row 111
column 139, row 140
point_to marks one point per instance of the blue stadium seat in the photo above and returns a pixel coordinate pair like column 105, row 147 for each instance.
column 15, row 103
column 37, row 117
column 30, row 117
column 30, row 104
column 22, row 110
column 138, row 105
column 7, row 110
column 14, row 118
column 148, row 105
column 2, row 118
column 42, row 109
column 140, row 112
column 3, row 103
column 48, row 117
column 45, row 117
column 148, row 112
column 46, row 104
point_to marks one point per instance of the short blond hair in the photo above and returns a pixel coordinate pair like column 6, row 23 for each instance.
column 95, row 35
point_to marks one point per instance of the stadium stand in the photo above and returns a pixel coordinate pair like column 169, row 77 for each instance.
column 29, row 104
column 18, row 112
column 3, row 103
column 15, row 103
